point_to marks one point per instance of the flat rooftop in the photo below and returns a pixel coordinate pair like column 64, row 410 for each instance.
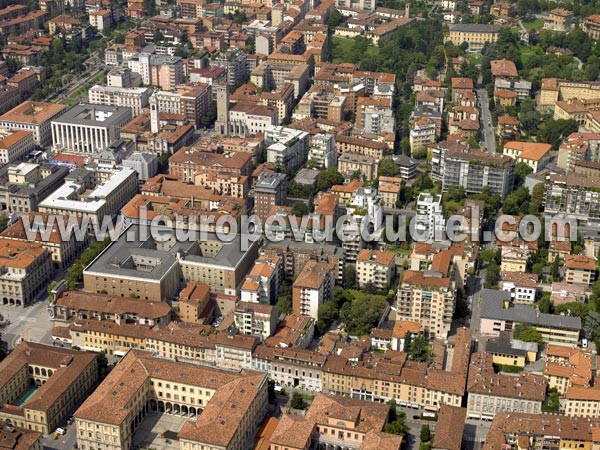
column 94, row 115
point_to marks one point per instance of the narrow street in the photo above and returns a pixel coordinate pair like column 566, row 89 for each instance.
column 487, row 128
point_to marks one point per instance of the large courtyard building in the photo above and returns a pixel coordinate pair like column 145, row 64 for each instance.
column 224, row 408
column 41, row 384
column 35, row 117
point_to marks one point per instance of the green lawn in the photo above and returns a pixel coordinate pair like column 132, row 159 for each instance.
column 535, row 24
column 526, row 52
column 342, row 48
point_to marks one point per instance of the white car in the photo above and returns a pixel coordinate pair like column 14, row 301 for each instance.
column 61, row 431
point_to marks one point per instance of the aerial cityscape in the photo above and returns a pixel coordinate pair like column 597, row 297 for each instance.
column 299, row 224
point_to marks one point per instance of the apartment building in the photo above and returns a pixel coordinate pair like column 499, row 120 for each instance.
column 224, row 408
column 322, row 152
column 77, row 305
column 475, row 35
column 262, row 282
column 106, row 198
column 580, row 269
column 583, row 402
column 331, row 420
column 269, row 190
column 255, row 319
column 574, row 195
column 381, row 378
column 374, row 149
column 389, row 190
column 568, row 367
column 188, row 162
column 135, row 98
column 295, row 255
column 312, row 288
column 34, row 117
column 87, row 128
column 427, row 298
column 499, row 314
column 159, row 70
column 286, row 147
column 473, row 170
column 489, row 393
column 375, row 267
column 57, row 379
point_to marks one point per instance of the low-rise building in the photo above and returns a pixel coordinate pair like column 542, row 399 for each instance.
column 559, row 19
column 224, row 408
column 498, row 314
column 359, row 422
column 522, row 286
column 76, row 305
column 35, row 117
column 15, row 145
column 475, row 35
column 567, row 367
column 535, row 155
column 52, row 381
column 490, row 393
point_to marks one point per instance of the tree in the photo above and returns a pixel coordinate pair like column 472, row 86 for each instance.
column 521, row 171
column 3, row 222
column 284, row 302
column 336, row 18
column 397, row 427
column 362, row 313
column 527, row 333
column 537, row 198
column 573, row 309
column 492, row 275
column 388, row 168
column 327, row 313
column 300, row 209
column 552, row 402
column 349, row 276
column 328, row 178
column 544, row 304
column 297, row 402
column 425, row 433
column 419, row 349
column 102, row 364
column 419, row 153
column 488, row 255
column 556, row 268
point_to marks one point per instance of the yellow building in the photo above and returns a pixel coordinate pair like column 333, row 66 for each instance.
column 224, row 408
column 51, row 381
column 475, row 35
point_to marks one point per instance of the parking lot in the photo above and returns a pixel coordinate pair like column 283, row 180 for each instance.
column 156, row 425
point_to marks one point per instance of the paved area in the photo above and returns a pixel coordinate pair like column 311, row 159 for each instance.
column 31, row 323
column 65, row 442
column 156, row 425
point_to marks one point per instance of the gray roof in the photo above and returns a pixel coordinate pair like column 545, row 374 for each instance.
column 492, row 308
column 144, row 157
column 85, row 114
column 404, row 160
column 118, row 258
column 475, row 28
column 503, row 345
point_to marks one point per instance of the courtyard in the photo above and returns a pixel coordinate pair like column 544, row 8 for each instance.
column 159, row 431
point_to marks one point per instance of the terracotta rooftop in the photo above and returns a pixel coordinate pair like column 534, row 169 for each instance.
column 580, row 262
